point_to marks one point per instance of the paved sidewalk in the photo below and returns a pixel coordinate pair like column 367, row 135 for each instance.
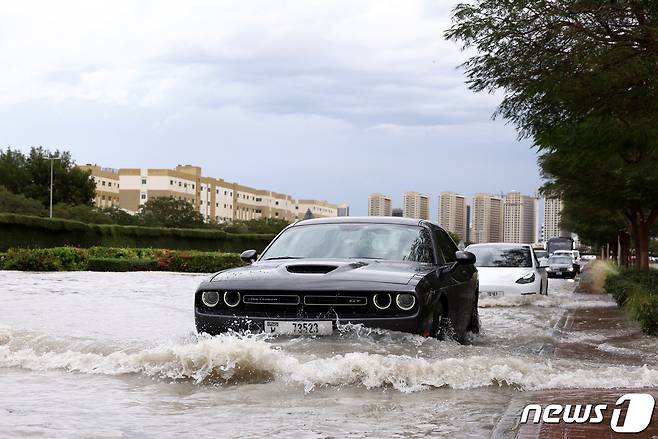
column 597, row 333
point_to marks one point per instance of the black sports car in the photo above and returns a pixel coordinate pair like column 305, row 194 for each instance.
column 392, row 273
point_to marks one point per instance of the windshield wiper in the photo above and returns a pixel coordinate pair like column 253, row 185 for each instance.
column 283, row 257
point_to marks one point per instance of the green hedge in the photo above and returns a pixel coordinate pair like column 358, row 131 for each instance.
column 636, row 292
column 116, row 264
column 117, row 259
column 35, row 232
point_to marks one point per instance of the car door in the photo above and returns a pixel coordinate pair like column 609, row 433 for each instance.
column 543, row 288
column 460, row 286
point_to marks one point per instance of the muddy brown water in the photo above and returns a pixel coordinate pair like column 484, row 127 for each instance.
column 116, row 355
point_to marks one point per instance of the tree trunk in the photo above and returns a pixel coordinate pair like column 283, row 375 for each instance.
column 635, row 234
column 624, row 243
column 643, row 247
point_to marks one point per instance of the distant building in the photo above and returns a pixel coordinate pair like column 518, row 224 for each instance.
column 343, row 210
column 215, row 199
column 107, row 185
column 552, row 218
column 520, row 217
column 397, row 211
column 416, row 205
column 453, row 213
column 379, row 205
column 487, row 222
column 468, row 223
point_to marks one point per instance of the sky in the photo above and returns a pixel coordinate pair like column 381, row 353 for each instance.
column 330, row 100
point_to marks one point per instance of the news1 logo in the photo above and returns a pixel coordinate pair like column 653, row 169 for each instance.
column 637, row 419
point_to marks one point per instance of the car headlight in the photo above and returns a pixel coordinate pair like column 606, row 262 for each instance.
column 405, row 301
column 210, row 298
column 527, row 279
column 570, row 269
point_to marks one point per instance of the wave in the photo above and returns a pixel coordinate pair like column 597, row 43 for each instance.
column 247, row 358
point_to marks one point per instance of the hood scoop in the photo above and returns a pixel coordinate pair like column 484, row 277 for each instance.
column 310, row 268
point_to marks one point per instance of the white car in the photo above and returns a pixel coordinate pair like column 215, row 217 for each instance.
column 508, row 270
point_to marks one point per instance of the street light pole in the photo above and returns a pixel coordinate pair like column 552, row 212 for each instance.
column 52, row 160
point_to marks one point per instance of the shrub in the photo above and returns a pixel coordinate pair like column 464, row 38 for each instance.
column 121, row 253
column 116, row 264
column 197, row 262
column 642, row 305
column 117, row 259
column 637, row 293
column 47, row 259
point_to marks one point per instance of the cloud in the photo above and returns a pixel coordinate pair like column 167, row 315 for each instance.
column 326, row 99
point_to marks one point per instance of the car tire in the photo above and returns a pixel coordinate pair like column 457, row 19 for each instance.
column 474, row 325
column 442, row 326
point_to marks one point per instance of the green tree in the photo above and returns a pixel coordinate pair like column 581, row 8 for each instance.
column 29, row 174
column 580, row 78
column 169, row 212
column 16, row 203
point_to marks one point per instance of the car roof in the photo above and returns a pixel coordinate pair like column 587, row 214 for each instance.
column 365, row 219
column 500, row 244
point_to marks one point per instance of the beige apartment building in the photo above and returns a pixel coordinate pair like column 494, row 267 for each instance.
column 379, row 205
column 216, row 200
column 552, row 217
column 452, row 215
column 487, row 217
column 520, row 218
column 107, row 185
column 415, row 205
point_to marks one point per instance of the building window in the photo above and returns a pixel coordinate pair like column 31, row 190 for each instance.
column 102, row 183
column 276, row 213
column 143, row 181
column 276, row 202
column 180, row 184
column 171, row 182
column 192, row 186
column 143, row 196
column 224, row 206
column 185, row 185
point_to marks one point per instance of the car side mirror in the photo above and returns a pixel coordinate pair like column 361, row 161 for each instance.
column 465, row 258
column 461, row 258
column 249, row 256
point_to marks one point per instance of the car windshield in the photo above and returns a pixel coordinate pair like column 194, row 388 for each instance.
column 497, row 256
column 353, row 241
column 540, row 253
column 560, row 260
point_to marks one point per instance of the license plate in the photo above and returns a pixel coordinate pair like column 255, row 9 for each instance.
column 279, row 327
column 494, row 293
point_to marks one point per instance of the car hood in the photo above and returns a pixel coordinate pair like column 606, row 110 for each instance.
column 501, row 275
column 319, row 273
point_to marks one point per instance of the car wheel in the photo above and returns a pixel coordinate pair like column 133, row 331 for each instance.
column 442, row 326
column 474, row 325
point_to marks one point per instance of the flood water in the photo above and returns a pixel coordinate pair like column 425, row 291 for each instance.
column 116, row 355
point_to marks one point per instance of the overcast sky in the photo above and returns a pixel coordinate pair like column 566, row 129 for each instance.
column 318, row 99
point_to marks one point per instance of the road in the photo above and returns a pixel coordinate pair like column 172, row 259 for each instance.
column 115, row 355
